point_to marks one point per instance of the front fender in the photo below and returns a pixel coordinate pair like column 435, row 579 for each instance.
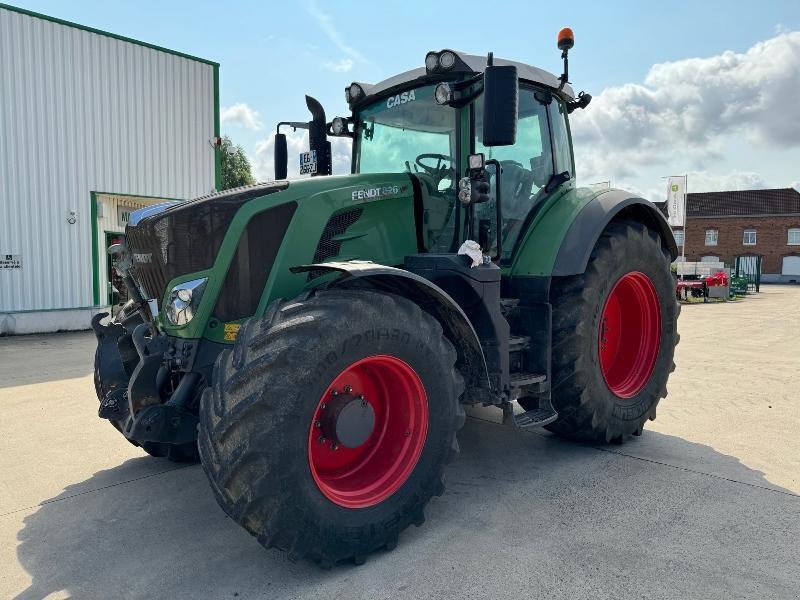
column 430, row 298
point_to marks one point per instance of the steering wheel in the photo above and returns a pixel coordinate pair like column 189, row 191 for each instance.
column 439, row 170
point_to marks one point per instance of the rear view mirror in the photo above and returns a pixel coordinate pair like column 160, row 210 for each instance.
column 281, row 156
column 500, row 105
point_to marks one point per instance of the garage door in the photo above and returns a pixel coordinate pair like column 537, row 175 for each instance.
column 791, row 265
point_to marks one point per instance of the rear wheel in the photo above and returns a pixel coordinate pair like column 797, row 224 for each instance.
column 614, row 336
column 328, row 426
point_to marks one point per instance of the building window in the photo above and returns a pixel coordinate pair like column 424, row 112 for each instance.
column 749, row 238
column 794, row 237
column 712, row 236
column 679, row 237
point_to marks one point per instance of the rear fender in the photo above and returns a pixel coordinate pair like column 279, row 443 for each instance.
column 592, row 220
column 433, row 300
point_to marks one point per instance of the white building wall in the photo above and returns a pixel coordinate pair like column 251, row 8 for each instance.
column 82, row 112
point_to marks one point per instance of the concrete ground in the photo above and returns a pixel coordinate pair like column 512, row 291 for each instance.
column 704, row 505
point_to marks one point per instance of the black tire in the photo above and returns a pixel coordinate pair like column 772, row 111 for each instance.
column 588, row 409
column 180, row 453
column 255, row 420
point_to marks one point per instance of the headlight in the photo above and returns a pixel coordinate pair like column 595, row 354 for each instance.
column 443, row 93
column 446, row 60
column 184, row 299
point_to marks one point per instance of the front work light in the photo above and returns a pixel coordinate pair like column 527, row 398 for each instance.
column 431, row 61
column 476, row 161
column 353, row 93
column 339, row 125
column 184, row 300
column 440, row 61
column 443, row 93
column 447, row 59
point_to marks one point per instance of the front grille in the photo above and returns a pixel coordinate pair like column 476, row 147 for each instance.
column 185, row 238
column 251, row 264
column 327, row 247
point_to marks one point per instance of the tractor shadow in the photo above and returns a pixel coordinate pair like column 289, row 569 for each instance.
column 516, row 503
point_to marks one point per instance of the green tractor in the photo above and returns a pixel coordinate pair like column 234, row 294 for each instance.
column 314, row 342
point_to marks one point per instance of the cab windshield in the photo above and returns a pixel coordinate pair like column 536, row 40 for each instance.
column 406, row 132
column 410, row 132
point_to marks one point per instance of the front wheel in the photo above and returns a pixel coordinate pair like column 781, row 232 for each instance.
column 614, row 336
column 327, row 427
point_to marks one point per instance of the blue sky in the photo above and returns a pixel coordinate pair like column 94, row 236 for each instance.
column 725, row 108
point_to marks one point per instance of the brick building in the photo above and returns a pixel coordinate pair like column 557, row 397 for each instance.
column 766, row 223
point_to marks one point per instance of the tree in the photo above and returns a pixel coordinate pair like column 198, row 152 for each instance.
column 236, row 170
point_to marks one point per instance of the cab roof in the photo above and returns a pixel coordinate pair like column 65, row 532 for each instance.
column 469, row 64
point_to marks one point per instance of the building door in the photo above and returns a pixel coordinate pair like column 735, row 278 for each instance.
column 791, row 265
column 116, row 293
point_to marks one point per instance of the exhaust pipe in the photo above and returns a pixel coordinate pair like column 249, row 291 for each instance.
column 318, row 137
column 317, row 141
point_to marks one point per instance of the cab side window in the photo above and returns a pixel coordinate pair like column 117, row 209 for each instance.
column 562, row 151
column 527, row 167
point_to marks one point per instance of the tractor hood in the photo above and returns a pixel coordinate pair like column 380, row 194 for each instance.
column 171, row 239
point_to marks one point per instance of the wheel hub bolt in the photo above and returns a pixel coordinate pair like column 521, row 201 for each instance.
column 348, row 389
column 334, row 446
column 321, row 439
column 317, row 424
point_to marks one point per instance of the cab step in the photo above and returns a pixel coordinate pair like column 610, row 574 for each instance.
column 538, row 417
column 527, row 379
column 509, row 306
column 518, row 342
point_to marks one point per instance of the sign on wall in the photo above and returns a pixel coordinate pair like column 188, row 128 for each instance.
column 10, row 261
column 124, row 213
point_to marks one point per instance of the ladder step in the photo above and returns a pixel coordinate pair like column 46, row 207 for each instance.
column 518, row 342
column 525, row 379
column 509, row 306
column 538, row 417
column 509, row 302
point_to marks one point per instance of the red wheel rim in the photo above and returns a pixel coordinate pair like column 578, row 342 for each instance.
column 630, row 331
column 371, row 472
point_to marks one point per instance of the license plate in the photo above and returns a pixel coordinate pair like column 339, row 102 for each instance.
column 308, row 162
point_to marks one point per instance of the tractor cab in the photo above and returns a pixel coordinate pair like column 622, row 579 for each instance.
column 485, row 140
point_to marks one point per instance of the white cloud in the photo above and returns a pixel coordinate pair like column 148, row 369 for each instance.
column 795, row 185
column 340, row 66
column 242, row 115
column 264, row 165
column 683, row 112
column 699, row 181
column 704, row 181
column 328, row 25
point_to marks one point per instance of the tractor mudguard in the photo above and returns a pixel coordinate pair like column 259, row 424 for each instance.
column 591, row 221
column 430, row 298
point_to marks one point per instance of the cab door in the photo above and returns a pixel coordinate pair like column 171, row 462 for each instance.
column 542, row 149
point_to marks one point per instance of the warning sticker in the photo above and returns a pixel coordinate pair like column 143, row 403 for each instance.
column 10, row 261
column 231, row 331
